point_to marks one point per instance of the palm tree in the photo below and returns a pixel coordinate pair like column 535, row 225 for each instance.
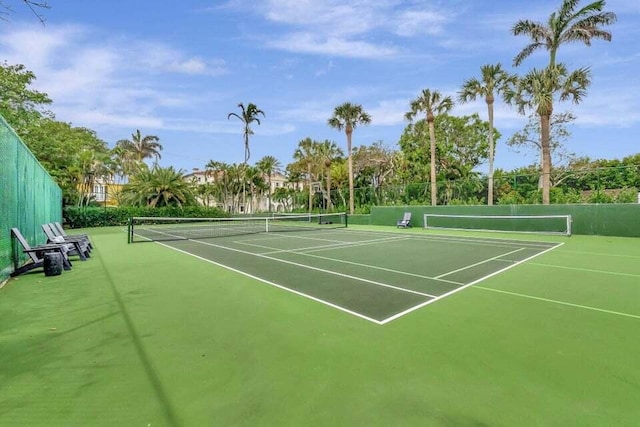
column 140, row 147
column 494, row 80
column 327, row 152
column 269, row 165
column 347, row 116
column 247, row 116
column 536, row 90
column 432, row 103
column 564, row 26
column 305, row 155
column 159, row 187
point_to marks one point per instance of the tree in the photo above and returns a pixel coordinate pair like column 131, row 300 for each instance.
column 462, row 146
column 536, row 91
column 567, row 25
column 373, row 164
column 564, row 26
column 494, row 80
column 269, row 165
column 247, row 116
column 22, row 108
column 348, row 116
column 529, row 136
column 305, row 155
column 140, row 147
column 159, row 187
column 326, row 153
column 433, row 104
column 33, row 5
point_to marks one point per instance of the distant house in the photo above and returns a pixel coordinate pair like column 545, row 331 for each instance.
column 260, row 203
column 103, row 192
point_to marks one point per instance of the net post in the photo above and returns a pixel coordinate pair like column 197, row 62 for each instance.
column 266, row 225
column 346, row 220
column 569, row 224
column 129, row 230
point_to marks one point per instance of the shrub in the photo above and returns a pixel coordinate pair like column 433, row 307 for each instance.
column 83, row 217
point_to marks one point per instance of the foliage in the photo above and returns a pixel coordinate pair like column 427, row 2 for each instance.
column 347, row 117
column 462, row 146
column 566, row 25
column 433, row 104
column 494, row 80
column 82, row 217
column 159, row 187
column 247, row 116
column 22, row 108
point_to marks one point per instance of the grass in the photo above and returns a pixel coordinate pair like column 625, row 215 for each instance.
column 142, row 335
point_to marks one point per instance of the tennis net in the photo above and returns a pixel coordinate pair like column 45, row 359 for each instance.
column 147, row 229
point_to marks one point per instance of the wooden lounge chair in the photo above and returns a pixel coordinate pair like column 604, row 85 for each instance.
column 76, row 246
column 405, row 222
column 36, row 253
column 59, row 231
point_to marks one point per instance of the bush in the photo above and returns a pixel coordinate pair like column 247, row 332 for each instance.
column 83, row 217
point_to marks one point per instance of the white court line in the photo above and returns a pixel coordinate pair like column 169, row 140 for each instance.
column 601, row 254
column 461, row 239
column 335, row 273
column 398, row 315
column 362, row 316
column 375, row 267
column 383, row 322
column 586, row 270
column 479, row 263
column 334, row 246
column 586, row 307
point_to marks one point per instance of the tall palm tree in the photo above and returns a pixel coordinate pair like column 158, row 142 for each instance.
column 494, row 80
column 247, row 116
column 567, row 25
column 433, row 104
column 348, row 116
column 269, row 165
column 141, row 147
column 327, row 152
column 305, row 154
column 536, row 91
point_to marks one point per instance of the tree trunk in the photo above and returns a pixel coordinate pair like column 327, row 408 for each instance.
column 269, row 192
column 329, row 204
column 349, row 131
column 491, row 152
column 434, row 189
column 309, row 182
column 546, row 157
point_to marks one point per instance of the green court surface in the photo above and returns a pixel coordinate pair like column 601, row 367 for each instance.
column 362, row 326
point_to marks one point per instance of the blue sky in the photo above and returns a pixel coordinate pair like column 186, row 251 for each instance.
column 176, row 69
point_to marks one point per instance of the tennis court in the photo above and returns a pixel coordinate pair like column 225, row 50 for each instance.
column 525, row 330
column 378, row 276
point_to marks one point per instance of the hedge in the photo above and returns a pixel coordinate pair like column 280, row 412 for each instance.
column 84, row 217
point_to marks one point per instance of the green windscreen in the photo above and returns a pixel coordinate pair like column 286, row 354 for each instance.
column 544, row 224
column 29, row 197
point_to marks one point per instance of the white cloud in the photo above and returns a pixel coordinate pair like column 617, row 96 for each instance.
column 416, row 22
column 162, row 58
column 346, row 28
column 312, row 43
column 104, row 83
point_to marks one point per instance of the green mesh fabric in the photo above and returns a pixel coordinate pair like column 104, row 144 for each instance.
column 29, row 197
